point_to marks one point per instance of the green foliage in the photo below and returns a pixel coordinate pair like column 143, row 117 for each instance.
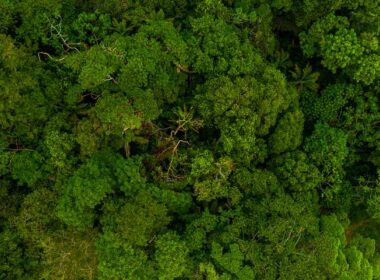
column 35, row 219
column 368, row 69
column 95, row 66
column 329, row 104
column 257, row 182
column 305, row 79
column 118, row 260
column 7, row 19
column 246, row 106
column 5, row 158
column 36, row 20
column 69, row 254
column 339, row 260
column 101, row 175
column 116, row 114
column 341, row 49
column 91, row 27
column 26, row 167
column 207, row 139
column 211, row 178
column 171, row 256
column 287, row 135
column 59, row 146
column 136, row 221
column 374, row 201
column 198, row 228
column 17, row 260
column 232, row 262
column 296, row 173
column 11, row 255
column 217, row 48
column 327, row 148
column 316, row 34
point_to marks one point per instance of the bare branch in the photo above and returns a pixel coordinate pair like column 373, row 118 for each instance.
column 57, row 30
column 16, row 150
column 49, row 56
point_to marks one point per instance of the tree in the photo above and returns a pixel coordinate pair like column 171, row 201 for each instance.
column 296, row 172
column 287, row 135
column 89, row 186
column 137, row 221
column 244, row 110
column 26, row 167
column 210, row 177
column 120, row 260
column 231, row 262
column 171, row 256
column 327, row 148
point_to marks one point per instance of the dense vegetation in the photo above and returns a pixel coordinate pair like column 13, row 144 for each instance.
column 190, row 139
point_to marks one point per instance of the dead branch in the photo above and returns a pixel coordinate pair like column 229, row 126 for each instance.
column 183, row 68
column 49, row 56
column 57, row 30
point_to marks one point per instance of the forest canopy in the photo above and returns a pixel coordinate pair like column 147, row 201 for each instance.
column 190, row 139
